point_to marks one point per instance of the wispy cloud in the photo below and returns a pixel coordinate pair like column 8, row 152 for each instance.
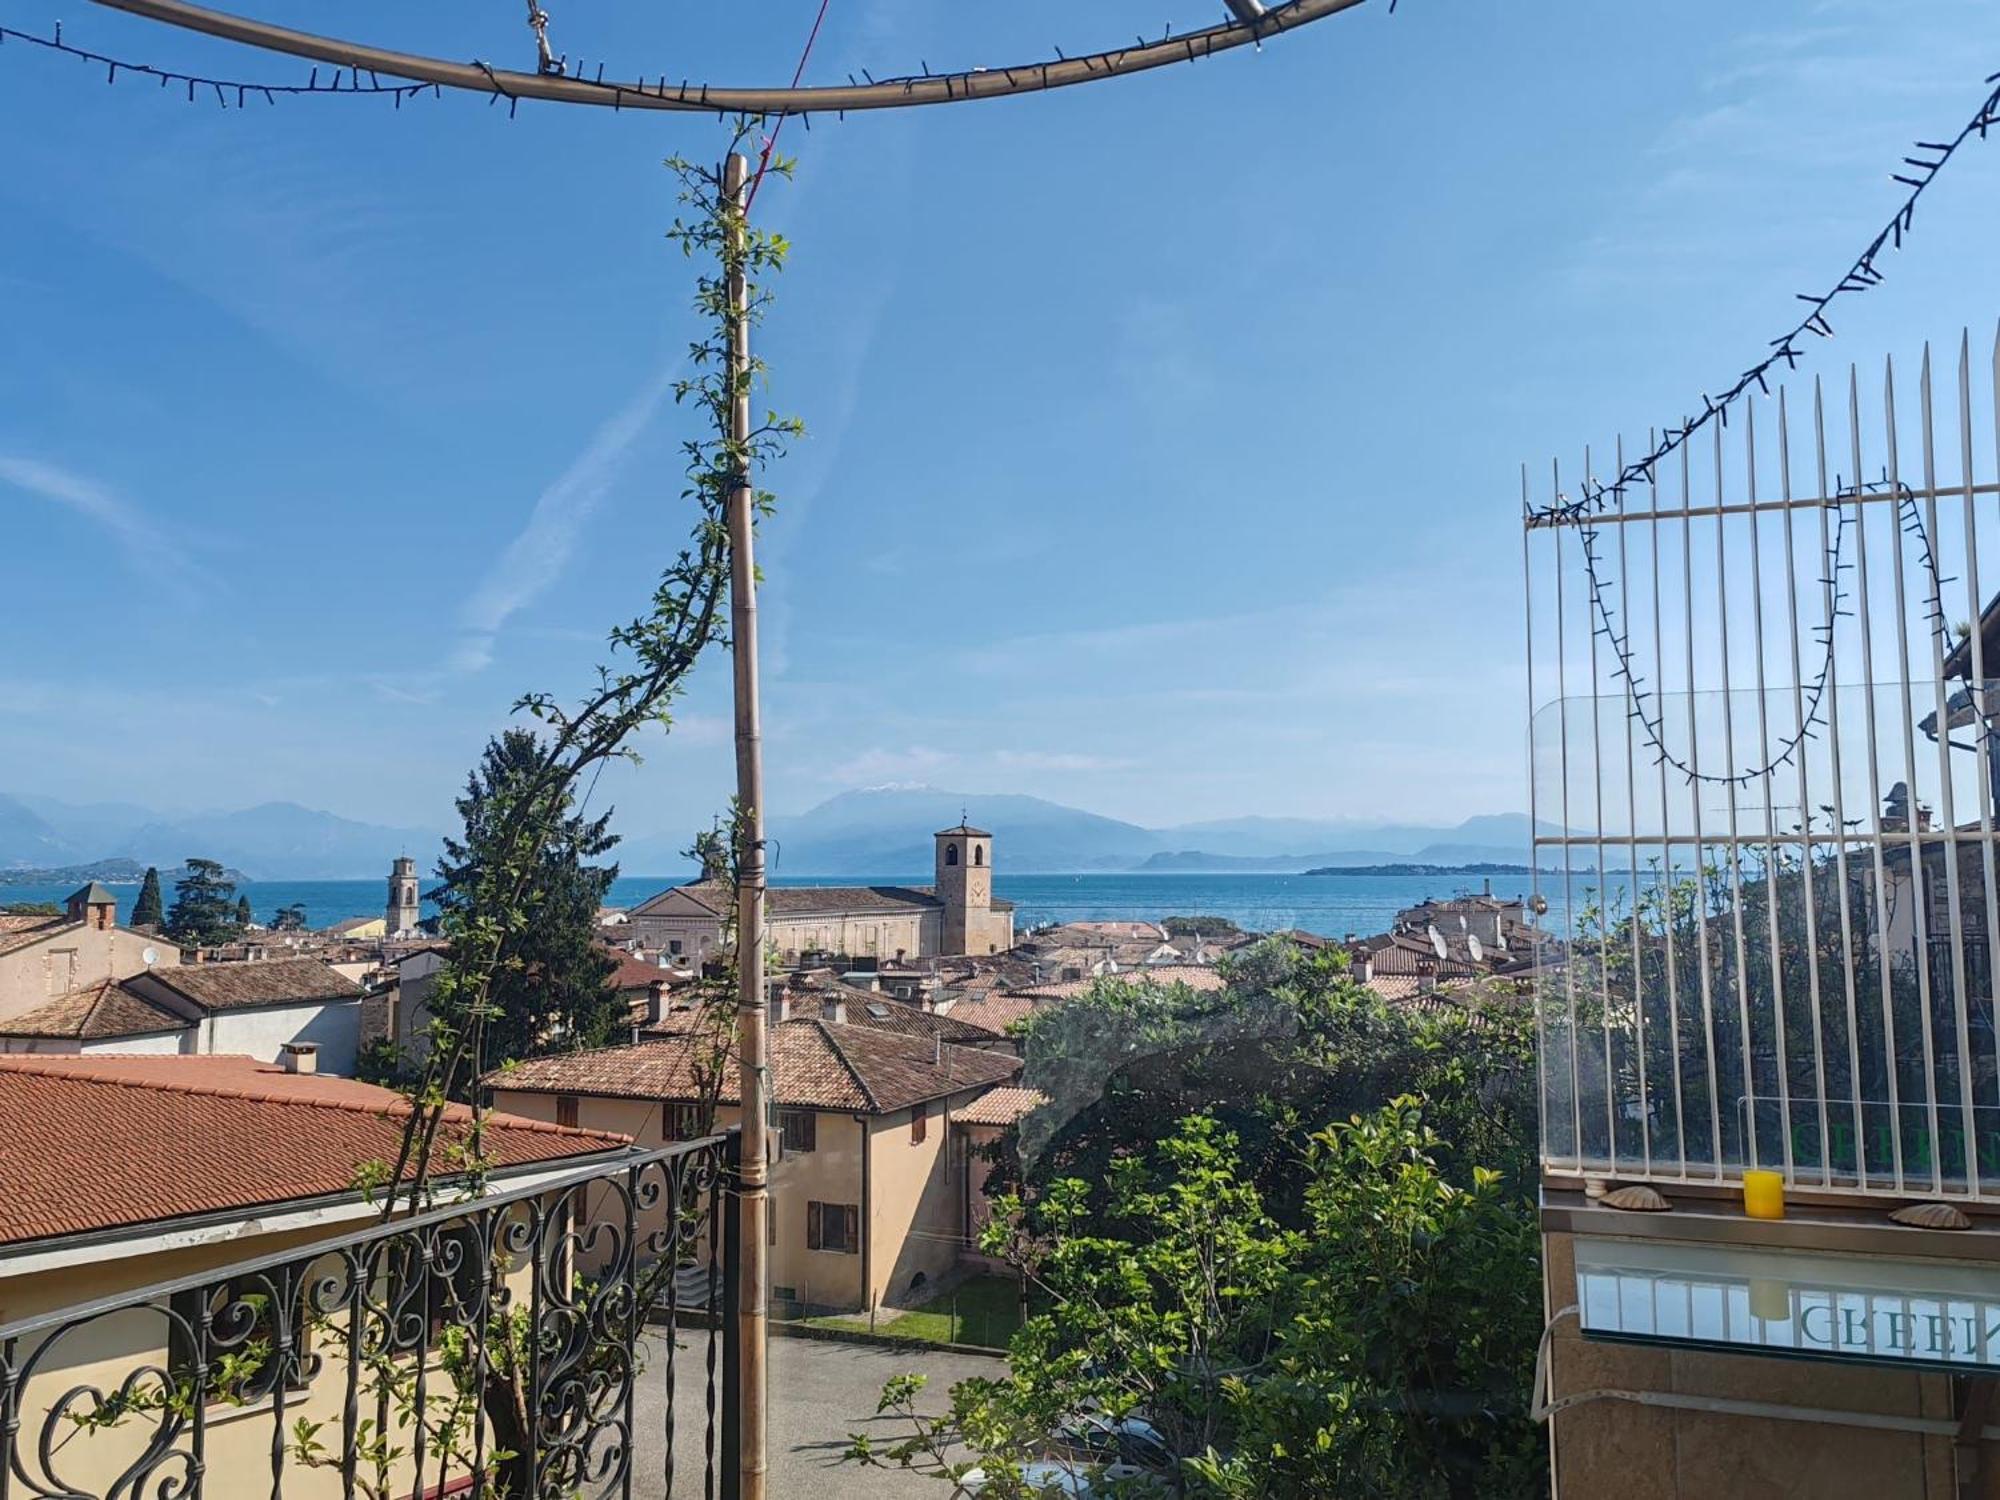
column 150, row 550
column 1059, row 760
column 880, row 764
column 537, row 556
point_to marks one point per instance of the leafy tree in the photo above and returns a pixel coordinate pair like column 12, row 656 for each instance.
column 1404, row 1354
column 1289, row 1046
column 1385, row 1348
column 243, row 915
column 149, row 910
column 553, row 993
column 30, row 909
column 1324, row 1283
column 289, row 918
column 204, row 912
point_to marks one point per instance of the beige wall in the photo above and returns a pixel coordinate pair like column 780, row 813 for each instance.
column 167, row 1042
column 916, row 933
column 831, row 1173
column 859, row 935
column 916, row 1203
column 74, row 957
column 914, row 1195
column 1633, row 1452
column 104, row 1352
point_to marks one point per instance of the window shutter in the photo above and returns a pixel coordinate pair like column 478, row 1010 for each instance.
column 813, row 1237
column 852, row 1226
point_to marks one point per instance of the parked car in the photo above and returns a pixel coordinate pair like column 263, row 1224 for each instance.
column 1091, row 1455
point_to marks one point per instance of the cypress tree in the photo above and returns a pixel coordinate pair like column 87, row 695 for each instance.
column 149, row 910
column 553, row 993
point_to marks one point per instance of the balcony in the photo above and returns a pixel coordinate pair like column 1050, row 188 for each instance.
column 1764, row 768
column 491, row 1347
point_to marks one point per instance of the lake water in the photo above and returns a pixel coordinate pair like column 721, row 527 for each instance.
column 1329, row 904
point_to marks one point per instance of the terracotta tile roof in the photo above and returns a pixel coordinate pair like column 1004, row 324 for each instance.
column 1001, row 1106
column 19, row 932
column 881, row 1013
column 814, row 1064
column 1396, row 987
column 112, row 1142
column 829, row 900
column 239, row 986
column 635, row 973
column 993, row 1012
column 1196, row 977
column 807, row 900
column 808, row 993
column 96, row 1012
column 1123, row 932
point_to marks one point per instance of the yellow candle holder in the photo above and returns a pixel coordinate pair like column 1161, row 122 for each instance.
column 1764, row 1195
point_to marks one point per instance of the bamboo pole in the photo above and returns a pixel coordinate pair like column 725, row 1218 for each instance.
column 753, row 1058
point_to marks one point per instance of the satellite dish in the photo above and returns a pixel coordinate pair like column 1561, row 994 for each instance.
column 150, row 957
column 1473, row 944
column 1437, row 944
column 1539, row 904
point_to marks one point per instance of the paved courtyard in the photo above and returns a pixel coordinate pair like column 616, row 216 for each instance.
column 820, row 1392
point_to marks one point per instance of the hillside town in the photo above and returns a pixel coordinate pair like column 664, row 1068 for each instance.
column 896, row 1013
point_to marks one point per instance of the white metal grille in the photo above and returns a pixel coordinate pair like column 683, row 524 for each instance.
column 1764, row 776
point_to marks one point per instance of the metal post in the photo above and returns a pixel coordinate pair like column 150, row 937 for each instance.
column 753, row 1184
column 732, row 1319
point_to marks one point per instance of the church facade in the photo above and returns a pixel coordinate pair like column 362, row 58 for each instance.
column 957, row 915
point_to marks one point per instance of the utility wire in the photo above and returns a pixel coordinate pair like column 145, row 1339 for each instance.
column 771, row 141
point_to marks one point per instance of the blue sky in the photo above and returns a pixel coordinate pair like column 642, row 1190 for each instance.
column 1165, row 434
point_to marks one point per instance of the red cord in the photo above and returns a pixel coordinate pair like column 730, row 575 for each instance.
column 764, row 161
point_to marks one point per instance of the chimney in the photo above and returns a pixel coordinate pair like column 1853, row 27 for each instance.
column 834, row 1011
column 656, row 1001
column 94, row 906
column 300, row 1057
column 781, row 1005
column 1367, row 968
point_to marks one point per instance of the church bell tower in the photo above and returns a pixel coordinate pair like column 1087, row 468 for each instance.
column 965, row 886
column 404, row 910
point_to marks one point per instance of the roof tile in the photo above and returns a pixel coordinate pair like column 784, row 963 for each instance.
column 110, row 1142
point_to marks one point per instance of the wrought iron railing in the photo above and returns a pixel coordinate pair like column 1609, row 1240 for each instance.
column 1764, row 771
column 494, row 1347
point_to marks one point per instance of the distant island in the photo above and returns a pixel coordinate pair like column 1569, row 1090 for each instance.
column 104, row 871
column 1479, row 869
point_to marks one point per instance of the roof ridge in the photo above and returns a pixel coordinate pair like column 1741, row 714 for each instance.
column 29, row 1063
column 840, row 1052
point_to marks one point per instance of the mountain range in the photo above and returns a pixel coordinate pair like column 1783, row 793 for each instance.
column 274, row 841
column 883, row 831
column 877, row 831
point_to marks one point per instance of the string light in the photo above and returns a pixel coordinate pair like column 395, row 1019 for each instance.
column 1911, row 523
column 1859, row 277
column 360, row 82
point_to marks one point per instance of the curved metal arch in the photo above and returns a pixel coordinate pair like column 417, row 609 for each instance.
column 898, row 93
